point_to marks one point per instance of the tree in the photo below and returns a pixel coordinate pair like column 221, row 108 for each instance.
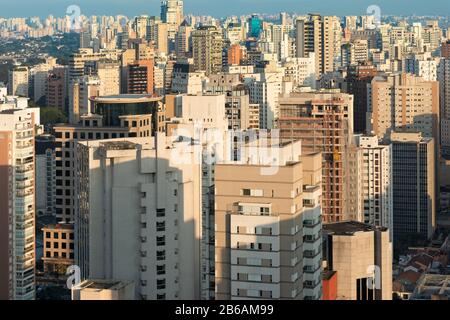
column 52, row 115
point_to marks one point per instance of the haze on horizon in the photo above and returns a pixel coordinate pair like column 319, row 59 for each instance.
column 219, row 8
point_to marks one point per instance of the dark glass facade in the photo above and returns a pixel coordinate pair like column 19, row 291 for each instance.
column 112, row 111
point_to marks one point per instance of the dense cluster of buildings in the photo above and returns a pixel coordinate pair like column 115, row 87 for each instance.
column 238, row 158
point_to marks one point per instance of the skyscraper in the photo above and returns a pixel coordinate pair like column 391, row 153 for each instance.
column 403, row 102
column 414, row 184
column 18, row 79
column 444, row 96
column 320, row 35
column 17, row 202
column 172, row 14
column 207, row 45
column 376, row 182
column 156, row 244
column 254, row 26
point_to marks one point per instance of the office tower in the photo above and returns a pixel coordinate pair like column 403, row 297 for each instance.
column 112, row 117
column 323, row 121
column 422, row 65
column 58, row 247
column 265, row 89
column 186, row 80
column 320, row 35
column 254, row 26
column 358, row 77
column 157, row 243
column 99, row 289
column 376, row 182
column 361, row 256
column 207, row 49
column 268, row 225
column 444, row 96
column 445, row 49
column 403, row 102
column 354, row 52
column 17, row 203
column 45, row 175
column 56, row 91
column 414, row 182
column 81, row 91
column 235, row 54
column 140, row 77
column 109, row 74
column 18, row 81
column 183, row 40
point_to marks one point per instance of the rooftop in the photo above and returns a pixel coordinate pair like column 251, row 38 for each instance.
column 118, row 145
column 103, row 284
column 126, row 98
column 349, row 228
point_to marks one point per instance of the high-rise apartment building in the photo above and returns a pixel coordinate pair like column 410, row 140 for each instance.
column 376, row 182
column 18, row 81
column 241, row 114
column 323, row 121
column 183, row 41
column 172, row 14
column 265, row 89
column 109, row 74
column 83, row 61
column 17, row 203
column 45, row 174
column 445, row 49
column 56, row 88
column 81, row 91
column 207, row 45
column 403, row 102
column 358, row 77
column 268, row 226
column 321, row 35
column 361, row 256
column 422, row 65
column 157, row 243
column 186, row 80
column 354, row 52
column 235, row 54
column 140, row 77
column 444, row 96
column 414, row 187
column 112, row 117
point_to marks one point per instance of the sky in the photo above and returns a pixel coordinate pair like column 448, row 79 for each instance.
column 221, row 8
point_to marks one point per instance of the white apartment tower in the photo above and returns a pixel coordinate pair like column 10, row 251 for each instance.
column 139, row 215
column 376, row 185
column 17, row 203
column 268, row 225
